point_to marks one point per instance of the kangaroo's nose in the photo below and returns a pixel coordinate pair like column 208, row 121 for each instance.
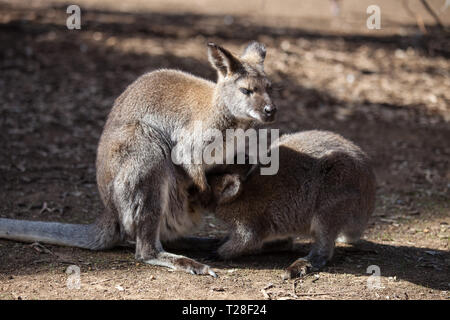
column 270, row 109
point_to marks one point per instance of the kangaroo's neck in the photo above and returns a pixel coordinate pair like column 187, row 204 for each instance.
column 219, row 116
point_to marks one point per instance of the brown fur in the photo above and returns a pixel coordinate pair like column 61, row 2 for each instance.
column 325, row 188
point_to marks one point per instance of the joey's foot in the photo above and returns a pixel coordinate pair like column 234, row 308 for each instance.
column 194, row 267
column 299, row 268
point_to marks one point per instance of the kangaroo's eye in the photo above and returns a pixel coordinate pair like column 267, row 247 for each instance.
column 245, row 91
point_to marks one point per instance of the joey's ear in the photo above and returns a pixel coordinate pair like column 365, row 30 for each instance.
column 254, row 53
column 223, row 60
column 230, row 188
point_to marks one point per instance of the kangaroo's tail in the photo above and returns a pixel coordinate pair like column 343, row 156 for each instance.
column 95, row 236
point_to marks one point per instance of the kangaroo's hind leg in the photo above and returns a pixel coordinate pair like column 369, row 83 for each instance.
column 320, row 253
column 324, row 232
column 140, row 194
column 241, row 241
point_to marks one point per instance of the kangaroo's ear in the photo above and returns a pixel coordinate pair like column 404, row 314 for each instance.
column 223, row 60
column 230, row 188
column 254, row 53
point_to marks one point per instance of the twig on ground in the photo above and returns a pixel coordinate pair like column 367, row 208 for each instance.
column 322, row 293
column 40, row 248
column 418, row 18
column 100, row 281
column 265, row 294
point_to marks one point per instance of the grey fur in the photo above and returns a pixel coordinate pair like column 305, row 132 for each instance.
column 84, row 236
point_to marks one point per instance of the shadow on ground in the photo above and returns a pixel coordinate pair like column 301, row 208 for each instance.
column 426, row 267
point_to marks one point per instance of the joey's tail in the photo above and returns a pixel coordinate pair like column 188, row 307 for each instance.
column 93, row 236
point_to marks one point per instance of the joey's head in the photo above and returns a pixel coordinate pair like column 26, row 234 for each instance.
column 242, row 86
column 225, row 188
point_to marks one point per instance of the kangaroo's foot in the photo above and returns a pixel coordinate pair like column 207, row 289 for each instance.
column 300, row 268
column 180, row 263
column 315, row 261
column 151, row 252
column 321, row 252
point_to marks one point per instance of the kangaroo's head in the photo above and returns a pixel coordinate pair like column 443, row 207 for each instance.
column 242, row 86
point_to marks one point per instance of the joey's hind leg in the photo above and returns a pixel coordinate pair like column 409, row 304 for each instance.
column 194, row 244
column 279, row 245
column 235, row 245
column 321, row 252
column 317, row 258
column 240, row 242
column 200, row 244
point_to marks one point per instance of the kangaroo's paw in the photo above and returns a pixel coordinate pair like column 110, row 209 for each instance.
column 299, row 268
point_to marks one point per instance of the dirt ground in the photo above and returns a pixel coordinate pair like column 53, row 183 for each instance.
column 388, row 90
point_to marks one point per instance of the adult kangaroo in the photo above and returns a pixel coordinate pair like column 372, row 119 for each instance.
column 143, row 191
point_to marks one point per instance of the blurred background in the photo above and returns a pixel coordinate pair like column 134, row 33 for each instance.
column 388, row 90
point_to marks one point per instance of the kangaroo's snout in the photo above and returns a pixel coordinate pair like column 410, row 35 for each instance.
column 269, row 112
